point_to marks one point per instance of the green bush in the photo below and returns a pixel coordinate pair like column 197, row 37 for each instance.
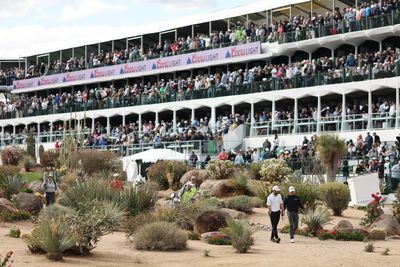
column 241, row 234
column 140, row 198
column 162, row 236
column 220, row 169
column 315, row 218
column 11, row 155
column 261, row 190
column 336, row 196
column 254, row 170
column 157, row 173
column 241, row 184
column 95, row 161
column 53, row 237
column 7, row 170
column 28, row 162
column 14, row 232
column 274, row 171
column 132, row 224
column 308, row 193
column 240, row 203
column 49, row 158
column 16, row 215
column 11, row 185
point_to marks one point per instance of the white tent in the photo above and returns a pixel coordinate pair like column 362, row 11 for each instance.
column 153, row 155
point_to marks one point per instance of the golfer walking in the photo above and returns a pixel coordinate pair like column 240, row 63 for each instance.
column 275, row 210
column 293, row 203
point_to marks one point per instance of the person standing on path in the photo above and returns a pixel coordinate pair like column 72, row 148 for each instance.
column 293, row 203
column 275, row 210
column 50, row 187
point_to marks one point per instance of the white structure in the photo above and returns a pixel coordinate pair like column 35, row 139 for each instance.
column 361, row 188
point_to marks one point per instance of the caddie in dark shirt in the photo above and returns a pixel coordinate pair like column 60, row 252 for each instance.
column 292, row 203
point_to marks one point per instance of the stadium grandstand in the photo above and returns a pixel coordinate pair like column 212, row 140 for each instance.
column 282, row 70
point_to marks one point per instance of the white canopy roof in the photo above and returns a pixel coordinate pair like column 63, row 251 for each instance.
column 153, row 155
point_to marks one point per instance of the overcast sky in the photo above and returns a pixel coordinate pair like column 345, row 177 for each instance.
column 37, row 26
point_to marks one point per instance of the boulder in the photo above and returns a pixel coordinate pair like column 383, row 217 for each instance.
column 206, row 237
column 388, row 223
column 376, row 234
column 36, row 187
column 28, row 202
column 208, row 184
column 235, row 214
column 165, row 194
column 344, row 226
column 201, row 176
column 210, row 221
column 223, row 188
column 6, row 205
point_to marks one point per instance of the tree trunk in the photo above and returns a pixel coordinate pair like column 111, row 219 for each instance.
column 331, row 171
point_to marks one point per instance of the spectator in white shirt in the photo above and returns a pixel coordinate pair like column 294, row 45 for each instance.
column 275, row 210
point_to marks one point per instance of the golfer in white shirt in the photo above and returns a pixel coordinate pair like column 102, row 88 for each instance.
column 275, row 210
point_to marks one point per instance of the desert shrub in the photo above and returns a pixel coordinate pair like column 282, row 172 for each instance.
column 308, row 193
column 89, row 190
column 16, row 215
column 257, row 202
column 241, row 184
column 385, row 252
column 28, row 162
column 220, row 240
column 132, row 224
column 7, row 170
column 157, row 173
column 11, row 155
column 212, row 203
column 315, row 218
column 336, row 196
column 377, row 234
column 357, row 235
column 49, row 158
column 261, row 190
column 162, row 236
column 254, row 170
column 52, row 236
column 193, row 236
column 140, row 198
column 240, row 203
column 220, row 169
column 241, row 234
column 95, row 161
column 274, row 170
column 4, row 262
column 373, row 210
column 11, row 185
column 396, row 205
column 369, row 248
column 14, row 232
column 71, row 178
column 41, row 152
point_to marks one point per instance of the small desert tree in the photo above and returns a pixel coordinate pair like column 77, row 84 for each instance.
column 331, row 149
column 30, row 145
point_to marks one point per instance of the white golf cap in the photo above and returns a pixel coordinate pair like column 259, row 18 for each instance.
column 276, row 188
column 291, row 189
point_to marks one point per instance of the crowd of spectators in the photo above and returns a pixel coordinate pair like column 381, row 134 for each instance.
column 282, row 30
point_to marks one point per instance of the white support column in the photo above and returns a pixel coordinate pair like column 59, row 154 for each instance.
column 333, row 53
column 78, row 126
column 397, row 108
column 140, row 125
column 319, row 114
column 108, row 126
column 156, row 120
column 380, row 46
column 193, row 117
column 310, row 56
column 51, row 131
column 356, row 51
column 233, row 109
column 369, row 109
column 14, row 133
column 213, row 119
column 2, row 136
column 38, row 133
column 296, row 114
column 123, row 120
column 93, row 125
column 252, row 120
column 174, row 121
column 343, row 128
column 273, row 114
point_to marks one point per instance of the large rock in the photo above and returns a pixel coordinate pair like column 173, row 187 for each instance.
column 206, row 237
column 223, row 188
column 28, row 202
column 165, row 194
column 201, row 176
column 344, row 226
column 376, row 234
column 208, row 184
column 388, row 223
column 235, row 214
column 6, row 205
column 36, row 187
column 210, row 221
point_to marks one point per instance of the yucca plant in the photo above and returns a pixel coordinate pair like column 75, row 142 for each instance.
column 241, row 234
column 331, row 149
column 315, row 218
column 140, row 198
column 11, row 185
column 308, row 193
column 261, row 190
column 241, row 183
column 53, row 237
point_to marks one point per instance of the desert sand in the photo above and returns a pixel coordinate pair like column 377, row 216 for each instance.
column 115, row 250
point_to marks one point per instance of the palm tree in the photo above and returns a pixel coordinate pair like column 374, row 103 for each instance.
column 331, row 149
